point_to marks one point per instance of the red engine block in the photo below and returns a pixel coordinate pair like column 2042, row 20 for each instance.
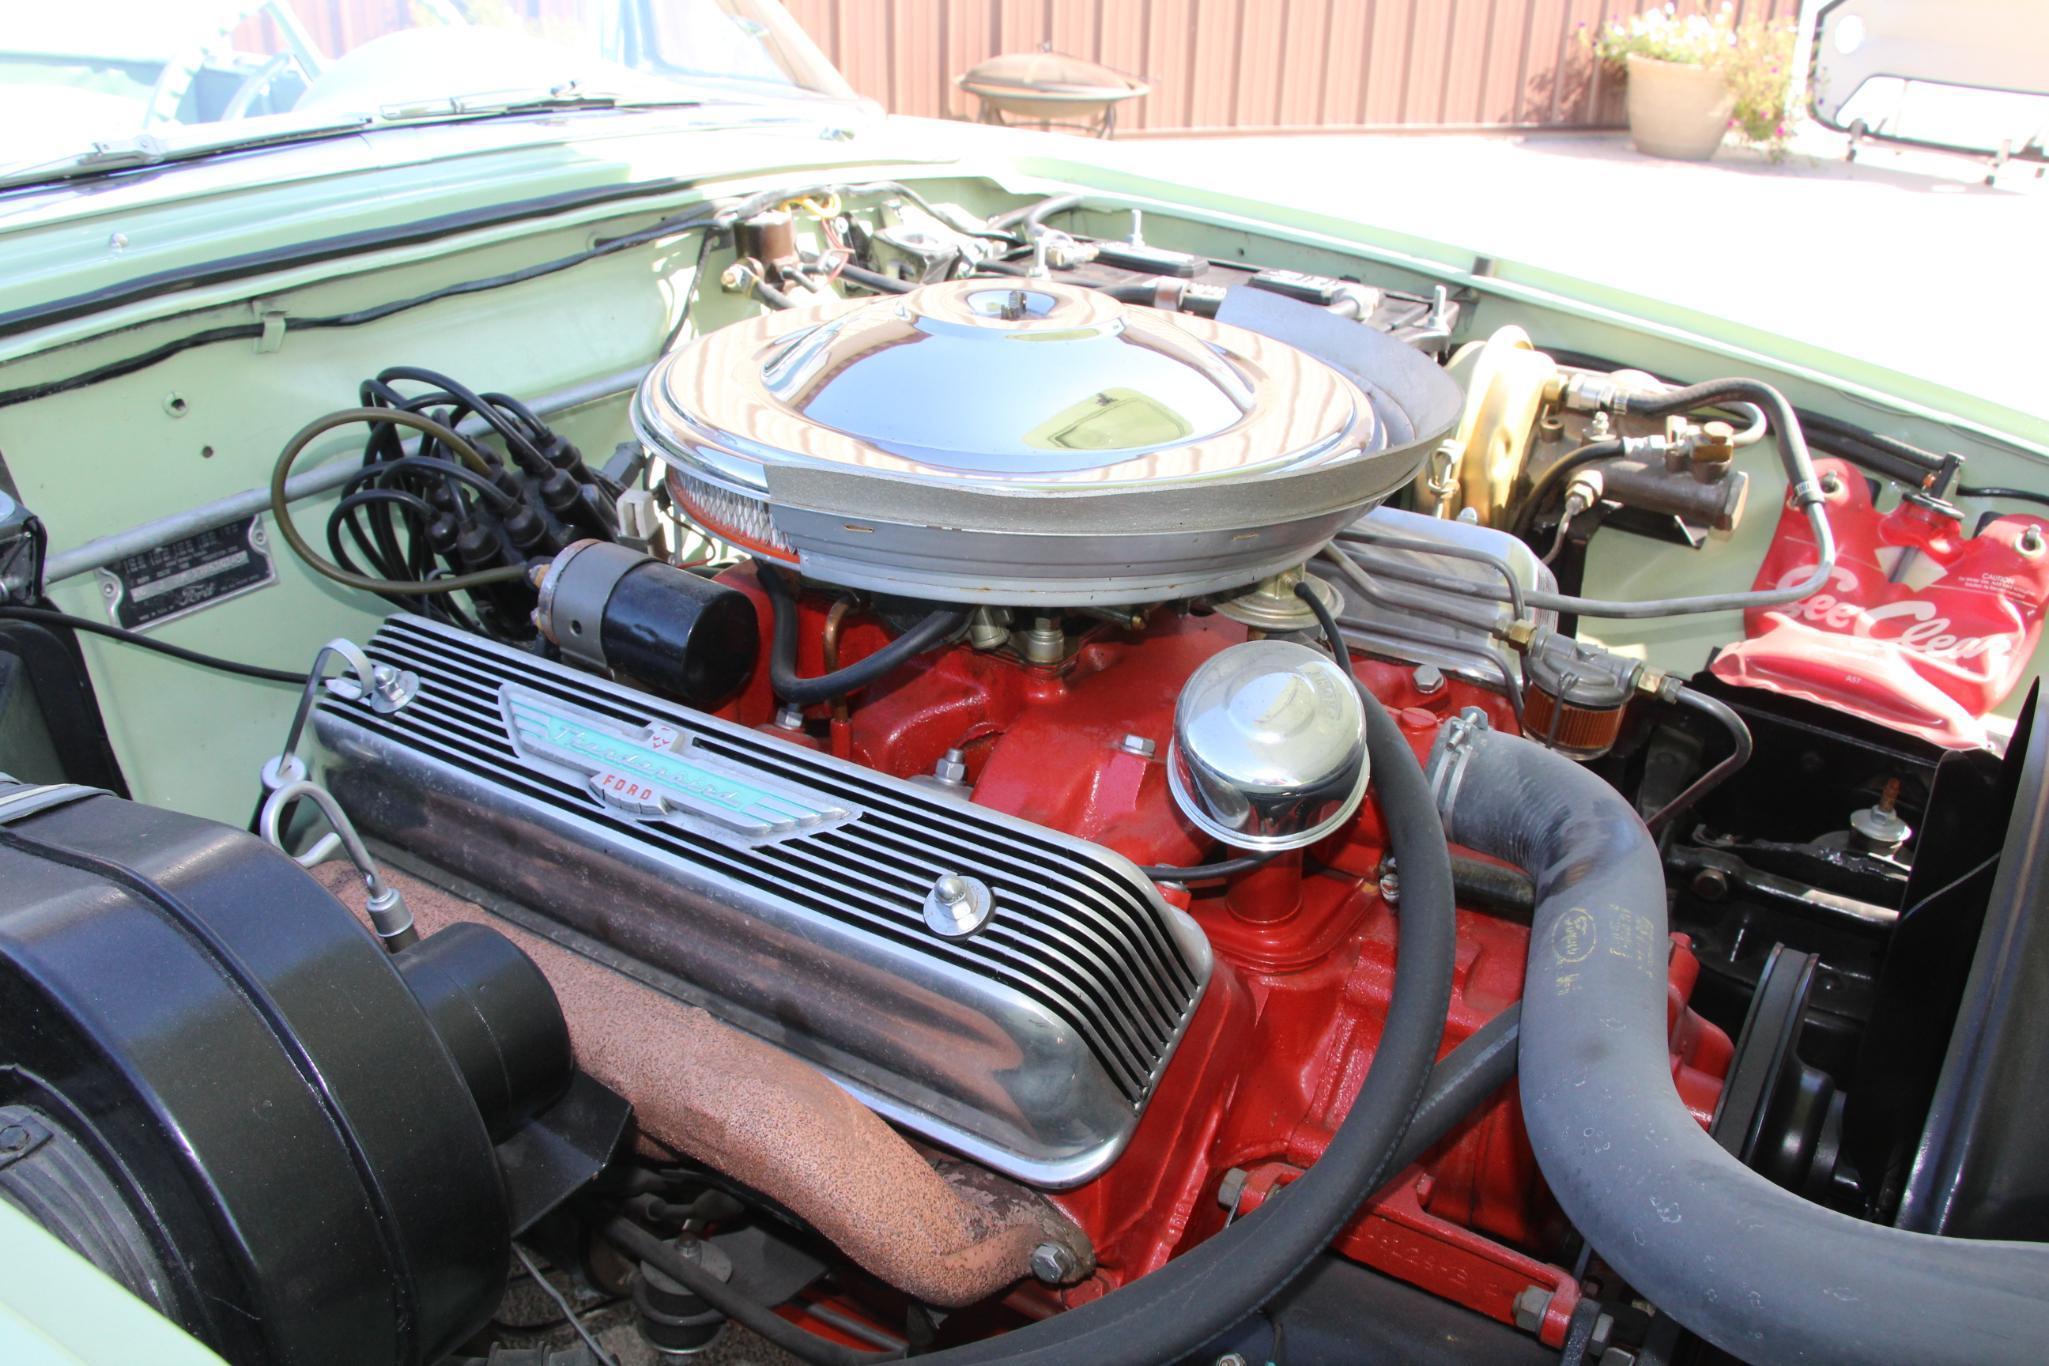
column 1304, row 960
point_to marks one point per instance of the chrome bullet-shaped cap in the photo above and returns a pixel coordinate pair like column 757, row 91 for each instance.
column 1269, row 747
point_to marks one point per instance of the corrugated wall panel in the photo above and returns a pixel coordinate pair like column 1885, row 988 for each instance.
column 1123, row 30
column 970, row 38
column 1213, row 79
column 1302, row 66
column 1344, row 63
column 1212, row 64
column 1387, row 61
column 1256, row 102
column 1170, row 63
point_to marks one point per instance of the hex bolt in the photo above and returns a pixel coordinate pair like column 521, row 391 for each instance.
column 391, row 688
column 13, row 1138
column 790, row 718
column 1231, row 1359
column 1710, row 884
column 1530, row 1307
column 1054, row 1263
column 1428, row 678
column 951, row 769
column 1139, row 745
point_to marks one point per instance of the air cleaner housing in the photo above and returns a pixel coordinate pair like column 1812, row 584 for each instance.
column 1019, row 443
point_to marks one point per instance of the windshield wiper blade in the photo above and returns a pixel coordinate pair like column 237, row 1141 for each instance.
column 113, row 155
column 483, row 103
column 107, row 156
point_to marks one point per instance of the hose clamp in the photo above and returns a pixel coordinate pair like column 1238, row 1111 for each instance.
column 1442, row 478
column 1450, row 756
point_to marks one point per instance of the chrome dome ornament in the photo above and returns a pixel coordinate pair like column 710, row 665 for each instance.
column 1017, row 443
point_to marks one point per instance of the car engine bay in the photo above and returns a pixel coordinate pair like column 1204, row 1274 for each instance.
column 1046, row 795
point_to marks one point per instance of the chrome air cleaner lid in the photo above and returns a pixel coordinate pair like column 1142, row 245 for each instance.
column 1018, row 443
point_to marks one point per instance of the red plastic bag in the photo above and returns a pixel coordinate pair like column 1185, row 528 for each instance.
column 1931, row 661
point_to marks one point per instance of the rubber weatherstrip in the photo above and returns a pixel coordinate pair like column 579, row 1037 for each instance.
column 159, row 283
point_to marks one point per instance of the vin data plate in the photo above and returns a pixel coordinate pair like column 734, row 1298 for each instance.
column 170, row 581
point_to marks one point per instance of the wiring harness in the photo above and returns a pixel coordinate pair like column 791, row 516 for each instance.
column 441, row 513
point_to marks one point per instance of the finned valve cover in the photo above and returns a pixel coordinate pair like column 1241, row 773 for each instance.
column 1018, row 443
column 990, row 984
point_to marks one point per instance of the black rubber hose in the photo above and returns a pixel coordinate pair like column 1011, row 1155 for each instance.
column 1491, row 887
column 2001, row 491
column 1749, row 1266
column 1206, row 872
column 637, row 1242
column 1211, row 1287
column 875, row 280
column 1461, row 1083
column 804, row 692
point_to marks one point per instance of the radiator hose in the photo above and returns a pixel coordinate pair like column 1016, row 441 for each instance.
column 1752, row 1268
column 1215, row 1285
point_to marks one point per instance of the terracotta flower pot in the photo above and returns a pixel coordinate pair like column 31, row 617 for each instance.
column 1677, row 109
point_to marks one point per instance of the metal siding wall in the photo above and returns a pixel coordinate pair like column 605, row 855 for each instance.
column 1252, row 65
column 1261, row 65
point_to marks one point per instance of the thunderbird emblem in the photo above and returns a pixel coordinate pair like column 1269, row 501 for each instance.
column 659, row 773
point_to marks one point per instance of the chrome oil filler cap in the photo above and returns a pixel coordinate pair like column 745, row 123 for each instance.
column 1269, row 747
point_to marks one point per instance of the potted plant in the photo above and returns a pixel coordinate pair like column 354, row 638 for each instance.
column 1694, row 79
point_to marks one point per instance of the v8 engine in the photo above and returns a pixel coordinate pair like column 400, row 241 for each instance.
column 1040, row 811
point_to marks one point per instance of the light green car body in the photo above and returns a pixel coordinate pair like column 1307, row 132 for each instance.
column 207, row 423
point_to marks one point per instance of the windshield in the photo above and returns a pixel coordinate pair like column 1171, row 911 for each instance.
column 72, row 76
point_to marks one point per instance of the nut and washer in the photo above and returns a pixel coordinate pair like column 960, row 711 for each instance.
column 951, row 769
column 957, row 906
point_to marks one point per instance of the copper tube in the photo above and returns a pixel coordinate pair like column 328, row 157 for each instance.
column 772, row 1121
column 842, row 735
column 829, row 640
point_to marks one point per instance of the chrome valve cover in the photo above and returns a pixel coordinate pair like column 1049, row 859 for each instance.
column 789, row 893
